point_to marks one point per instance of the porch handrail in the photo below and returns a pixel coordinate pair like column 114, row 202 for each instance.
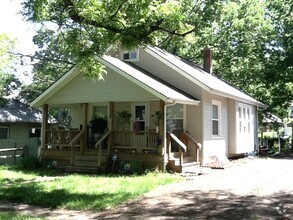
column 99, row 146
column 180, row 143
column 193, row 141
column 71, row 143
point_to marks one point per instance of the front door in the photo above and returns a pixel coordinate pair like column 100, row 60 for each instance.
column 98, row 125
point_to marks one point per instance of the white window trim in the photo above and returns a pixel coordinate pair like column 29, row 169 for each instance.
column 8, row 131
column 218, row 103
column 130, row 59
column 146, row 120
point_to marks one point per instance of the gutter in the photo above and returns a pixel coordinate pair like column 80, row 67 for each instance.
column 165, row 134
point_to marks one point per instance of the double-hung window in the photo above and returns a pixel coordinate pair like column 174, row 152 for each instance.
column 216, row 118
column 4, row 132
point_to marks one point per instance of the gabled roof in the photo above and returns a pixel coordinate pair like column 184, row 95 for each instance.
column 201, row 78
column 145, row 81
column 16, row 111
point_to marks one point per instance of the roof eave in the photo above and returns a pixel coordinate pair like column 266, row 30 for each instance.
column 41, row 99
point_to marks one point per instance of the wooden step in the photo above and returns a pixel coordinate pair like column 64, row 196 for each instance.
column 191, row 167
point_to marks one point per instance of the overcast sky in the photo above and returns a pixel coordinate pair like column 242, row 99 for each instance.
column 12, row 23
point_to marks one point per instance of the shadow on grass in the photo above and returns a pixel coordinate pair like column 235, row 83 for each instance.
column 35, row 194
column 215, row 204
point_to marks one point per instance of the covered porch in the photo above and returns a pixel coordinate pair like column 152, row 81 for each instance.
column 146, row 142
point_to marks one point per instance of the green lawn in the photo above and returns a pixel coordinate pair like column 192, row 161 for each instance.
column 12, row 216
column 79, row 192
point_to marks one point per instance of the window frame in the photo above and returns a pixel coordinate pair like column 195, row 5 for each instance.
column 129, row 52
column 7, row 134
column 218, row 104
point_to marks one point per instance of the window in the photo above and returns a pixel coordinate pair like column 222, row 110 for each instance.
column 34, row 132
column 245, row 118
column 131, row 55
column 175, row 118
column 216, row 107
column 140, row 118
column 4, row 132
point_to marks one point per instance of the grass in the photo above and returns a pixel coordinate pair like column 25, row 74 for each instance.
column 78, row 192
column 12, row 216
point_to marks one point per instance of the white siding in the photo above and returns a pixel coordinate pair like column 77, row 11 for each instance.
column 193, row 122
column 114, row 88
column 232, row 126
column 214, row 145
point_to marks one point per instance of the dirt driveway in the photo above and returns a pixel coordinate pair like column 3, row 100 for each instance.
column 248, row 188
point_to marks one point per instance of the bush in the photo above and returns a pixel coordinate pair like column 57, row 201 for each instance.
column 30, row 163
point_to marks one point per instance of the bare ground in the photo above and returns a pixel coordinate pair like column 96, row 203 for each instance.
column 249, row 188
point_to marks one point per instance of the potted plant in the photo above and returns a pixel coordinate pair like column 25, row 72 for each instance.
column 156, row 117
column 123, row 119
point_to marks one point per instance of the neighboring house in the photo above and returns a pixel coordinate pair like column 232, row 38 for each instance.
column 20, row 124
column 152, row 107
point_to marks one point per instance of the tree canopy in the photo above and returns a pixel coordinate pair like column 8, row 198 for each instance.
column 8, row 81
column 251, row 39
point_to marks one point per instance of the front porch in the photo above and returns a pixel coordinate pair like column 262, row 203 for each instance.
column 94, row 147
column 68, row 148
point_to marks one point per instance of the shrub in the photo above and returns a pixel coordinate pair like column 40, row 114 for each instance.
column 30, row 163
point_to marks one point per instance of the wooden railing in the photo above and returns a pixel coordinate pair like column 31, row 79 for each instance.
column 72, row 144
column 186, row 144
column 187, row 140
column 182, row 146
column 99, row 146
column 139, row 141
column 16, row 152
column 60, row 139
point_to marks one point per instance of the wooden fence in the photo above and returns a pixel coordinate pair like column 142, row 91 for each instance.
column 26, row 148
column 13, row 153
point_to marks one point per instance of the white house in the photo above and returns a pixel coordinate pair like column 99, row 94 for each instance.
column 178, row 114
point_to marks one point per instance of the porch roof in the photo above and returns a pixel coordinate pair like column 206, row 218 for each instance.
column 147, row 82
column 201, row 78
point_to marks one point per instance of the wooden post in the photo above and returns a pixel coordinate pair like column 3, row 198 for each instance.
column 44, row 125
column 84, row 126
column 111, row 126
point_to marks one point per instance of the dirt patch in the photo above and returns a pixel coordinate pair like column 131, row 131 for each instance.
column 249, row 188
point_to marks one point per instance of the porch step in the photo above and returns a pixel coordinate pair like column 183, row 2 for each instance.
column 185, row 160
column 187, row 167
column 192, row 167
column 81, row 169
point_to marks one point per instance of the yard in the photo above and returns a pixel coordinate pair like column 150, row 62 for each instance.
column 249, row 188
column 54, row 189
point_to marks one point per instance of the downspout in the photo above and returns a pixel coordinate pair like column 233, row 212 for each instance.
column 165, row 134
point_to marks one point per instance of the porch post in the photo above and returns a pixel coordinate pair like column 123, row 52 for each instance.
column 44, row 125
column 84, row 126
column 111, row 126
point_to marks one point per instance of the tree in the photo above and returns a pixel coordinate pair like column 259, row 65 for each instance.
column 251, row 39
column 8, row 81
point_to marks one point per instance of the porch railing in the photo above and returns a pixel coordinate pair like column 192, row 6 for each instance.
column 60, row 139
column 140, row 141
column 186, row 144
column 99, row 146
column 78, row 139
column 192, row 144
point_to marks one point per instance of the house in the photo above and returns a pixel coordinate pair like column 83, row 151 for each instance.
column 154, row 108
column 20, row 125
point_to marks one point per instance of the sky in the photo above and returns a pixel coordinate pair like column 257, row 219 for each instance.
column 12, row 23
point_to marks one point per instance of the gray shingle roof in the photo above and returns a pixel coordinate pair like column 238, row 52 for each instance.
column 16, row 111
